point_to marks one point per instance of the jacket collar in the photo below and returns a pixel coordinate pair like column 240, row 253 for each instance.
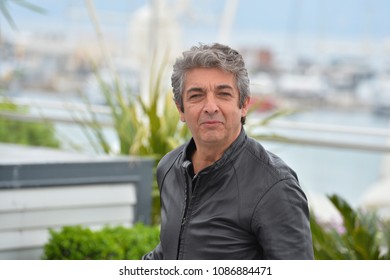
column 227, row 156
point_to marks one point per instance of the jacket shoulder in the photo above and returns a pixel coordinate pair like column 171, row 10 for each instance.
column 167, row 162
column 271, row 162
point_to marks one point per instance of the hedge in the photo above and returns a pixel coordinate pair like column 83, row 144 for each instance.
column 109, row 243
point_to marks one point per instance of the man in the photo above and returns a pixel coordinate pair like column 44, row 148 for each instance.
column 223, row 196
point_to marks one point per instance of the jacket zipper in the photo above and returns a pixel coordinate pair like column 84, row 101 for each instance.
column 187, row 200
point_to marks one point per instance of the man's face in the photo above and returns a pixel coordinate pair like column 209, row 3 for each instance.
column 211, row 107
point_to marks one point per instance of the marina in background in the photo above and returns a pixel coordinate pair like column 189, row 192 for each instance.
column 336, row 87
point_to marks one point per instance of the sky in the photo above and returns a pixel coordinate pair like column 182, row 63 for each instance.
column 284, row 25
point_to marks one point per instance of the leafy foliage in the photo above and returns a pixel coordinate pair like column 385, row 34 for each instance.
column 149, row 127
column 363, row 236
column 109, row 243
column 36, row 134
column 144, row 127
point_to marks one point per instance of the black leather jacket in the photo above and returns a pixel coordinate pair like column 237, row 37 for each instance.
column 247, row 205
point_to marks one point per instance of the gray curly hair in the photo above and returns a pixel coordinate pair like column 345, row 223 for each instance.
column 211, row 56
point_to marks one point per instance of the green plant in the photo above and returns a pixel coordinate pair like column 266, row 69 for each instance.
column 361, row 236
column 27, row 133
column 136, row 241
column 109, row 243
column 143, row 127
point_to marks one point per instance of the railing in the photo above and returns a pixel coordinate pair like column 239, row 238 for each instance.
column 359, row 131
column 277, row 124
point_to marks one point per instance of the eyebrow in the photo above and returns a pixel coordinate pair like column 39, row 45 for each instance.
column 218, row 87
column 196, row 89
column 224, row 86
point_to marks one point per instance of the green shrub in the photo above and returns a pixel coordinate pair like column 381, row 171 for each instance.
column 109, row 243
column 362, row 235
column 26, row 133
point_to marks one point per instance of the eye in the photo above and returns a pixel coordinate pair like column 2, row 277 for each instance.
column 225, row 94
column 192, row 96
column 195, row 96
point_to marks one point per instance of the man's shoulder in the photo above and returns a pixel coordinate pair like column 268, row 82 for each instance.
column 172, row 156
column 257, row 151
column 167, row 163
column 268, row 160
column 169, row 160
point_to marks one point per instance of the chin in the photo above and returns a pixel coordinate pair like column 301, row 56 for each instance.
column 212, row 139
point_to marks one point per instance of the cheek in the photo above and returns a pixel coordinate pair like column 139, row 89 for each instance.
column 190, row 113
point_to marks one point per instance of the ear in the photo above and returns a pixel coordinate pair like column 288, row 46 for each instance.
column 182, row 118
column 245, row 107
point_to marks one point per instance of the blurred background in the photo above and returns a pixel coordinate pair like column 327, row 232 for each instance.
column 325, row 62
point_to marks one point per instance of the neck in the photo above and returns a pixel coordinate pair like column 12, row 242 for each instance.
column 204, row 157
column 206, row 154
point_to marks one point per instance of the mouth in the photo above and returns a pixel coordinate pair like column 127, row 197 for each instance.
column 211, row 123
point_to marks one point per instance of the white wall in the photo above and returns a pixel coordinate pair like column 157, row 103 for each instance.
column 26, row 214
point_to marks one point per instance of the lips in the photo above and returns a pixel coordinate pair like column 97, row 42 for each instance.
column 211, row 122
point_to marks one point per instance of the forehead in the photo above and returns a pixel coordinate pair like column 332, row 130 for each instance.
column 208, row 76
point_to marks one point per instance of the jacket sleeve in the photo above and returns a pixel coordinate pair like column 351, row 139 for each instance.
column 155, row 254
column 281, row 223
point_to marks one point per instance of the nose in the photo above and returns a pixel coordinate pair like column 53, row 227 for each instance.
column 210, row 106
